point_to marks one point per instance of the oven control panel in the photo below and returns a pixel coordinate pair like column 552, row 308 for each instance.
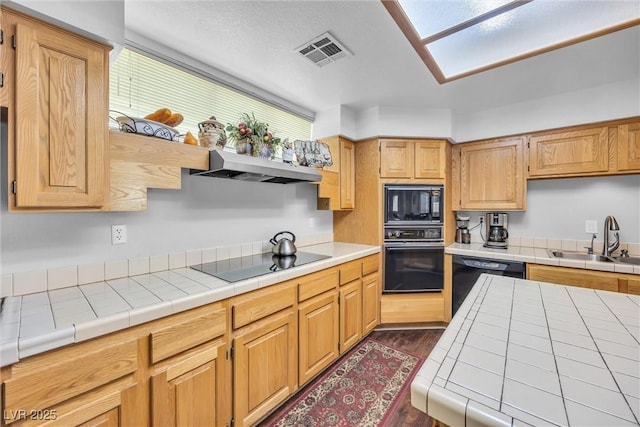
column 424, row 234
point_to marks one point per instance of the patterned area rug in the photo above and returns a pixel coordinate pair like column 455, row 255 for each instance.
column 358, row 391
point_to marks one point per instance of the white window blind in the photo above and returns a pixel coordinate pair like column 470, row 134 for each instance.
column 140, row 85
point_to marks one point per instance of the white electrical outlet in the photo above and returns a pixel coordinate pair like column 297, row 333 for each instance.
column 118, row 234
column 591, row 226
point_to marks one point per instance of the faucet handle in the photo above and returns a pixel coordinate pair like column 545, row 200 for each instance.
column 624, row 253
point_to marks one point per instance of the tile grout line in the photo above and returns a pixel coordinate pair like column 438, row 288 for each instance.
column 603, row 359
column 553, row 352
column 624, row 396
column 506, row 356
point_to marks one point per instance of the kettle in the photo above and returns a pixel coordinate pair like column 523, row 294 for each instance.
column 284, row 246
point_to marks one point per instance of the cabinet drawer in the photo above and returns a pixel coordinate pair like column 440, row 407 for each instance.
column 41, row 382
column 314, row 284
column 574, row 277
column 259, row 304
column 187, row 334
column 370, row 264
column 349, row 271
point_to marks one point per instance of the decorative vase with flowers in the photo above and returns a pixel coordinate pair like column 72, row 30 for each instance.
column 253, row 137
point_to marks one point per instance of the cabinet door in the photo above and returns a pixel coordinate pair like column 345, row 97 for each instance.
column 318, row 322
column 573, row 277
column 347, row 175
column 265, row 366
column 350, row 314
column 629, row 147
column 370, row 303
column 110, row 406
column 396, row 158
column 61, row 118
column 430, row 159
column 110, row 418
column 192, row 391
column 492, row 175
column 633, row 286
column 569, row 153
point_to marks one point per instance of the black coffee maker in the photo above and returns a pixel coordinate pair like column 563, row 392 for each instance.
column 496, row 234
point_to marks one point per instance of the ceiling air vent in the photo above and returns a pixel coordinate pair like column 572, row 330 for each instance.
column 323, row 50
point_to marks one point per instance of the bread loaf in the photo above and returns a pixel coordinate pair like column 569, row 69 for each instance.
column 174, row 120
column 190, row 139
column 161, row 115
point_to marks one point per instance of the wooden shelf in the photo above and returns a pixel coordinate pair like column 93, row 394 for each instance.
column 140, row 162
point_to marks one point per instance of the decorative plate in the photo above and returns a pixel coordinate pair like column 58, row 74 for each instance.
column 146, row 127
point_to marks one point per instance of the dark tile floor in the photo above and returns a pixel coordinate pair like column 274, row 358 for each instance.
column 418, row 342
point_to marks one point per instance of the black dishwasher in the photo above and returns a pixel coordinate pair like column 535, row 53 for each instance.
column 466, row 271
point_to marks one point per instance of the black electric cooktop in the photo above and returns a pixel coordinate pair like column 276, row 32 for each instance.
column 246, row 267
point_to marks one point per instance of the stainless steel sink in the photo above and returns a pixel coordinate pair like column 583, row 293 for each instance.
column 635, row 260
column 557, row 253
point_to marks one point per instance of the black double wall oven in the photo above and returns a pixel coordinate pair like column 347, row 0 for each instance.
column 413, row 238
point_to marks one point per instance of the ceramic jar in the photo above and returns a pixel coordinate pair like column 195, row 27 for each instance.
column 211, row 134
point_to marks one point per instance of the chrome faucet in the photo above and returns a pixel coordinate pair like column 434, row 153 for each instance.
column 610, row 224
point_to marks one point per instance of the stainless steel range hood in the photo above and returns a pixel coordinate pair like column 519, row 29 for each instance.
column 224, row 164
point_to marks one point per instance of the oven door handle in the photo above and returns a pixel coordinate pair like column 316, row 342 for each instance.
column 401, row 246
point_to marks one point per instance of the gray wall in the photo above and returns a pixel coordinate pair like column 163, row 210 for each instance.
column 206, row 212
column 557, row 208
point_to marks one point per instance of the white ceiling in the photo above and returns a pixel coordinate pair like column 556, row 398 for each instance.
column 256, row 40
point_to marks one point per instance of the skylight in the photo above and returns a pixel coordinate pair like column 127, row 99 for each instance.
column 457, row 38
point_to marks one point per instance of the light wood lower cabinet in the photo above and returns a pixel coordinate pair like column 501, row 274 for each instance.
column 350, row 314
column 265, row 368
column 412, row 308
column 318, row 322
column 237, row 358
column 633, row 286
column 192, row 390
column 370, row 302
column 603, row 280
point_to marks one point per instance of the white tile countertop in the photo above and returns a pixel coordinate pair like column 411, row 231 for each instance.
column 520, row 352
column 536, row 256
column 38, row 322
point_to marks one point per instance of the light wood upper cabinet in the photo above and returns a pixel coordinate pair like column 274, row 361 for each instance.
column 336, row 191
column 491, row 175
column 406, row 158
column 347, row 175
column 396, row 158
column 429, row 159
column 58, row 144
column 569, row 153
column 629, row 147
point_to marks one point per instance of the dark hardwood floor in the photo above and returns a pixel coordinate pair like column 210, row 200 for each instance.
column 418, row 342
